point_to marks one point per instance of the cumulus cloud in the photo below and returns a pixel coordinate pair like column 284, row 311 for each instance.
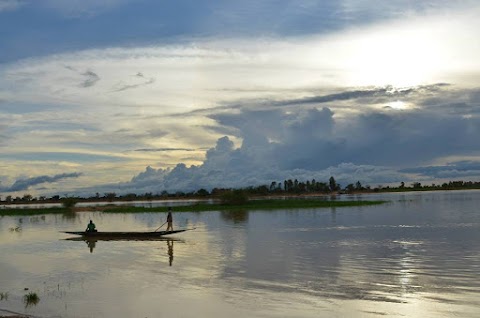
column 288, row 108
column 375, row 147
column 24, row 184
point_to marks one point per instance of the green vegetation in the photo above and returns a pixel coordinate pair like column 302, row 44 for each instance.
column 13, row 211
column 285, row 187
column 3, row 296
column 233, row 201
column 229, row 199
column 249, row 205
column 31, row 299
column 69, row 202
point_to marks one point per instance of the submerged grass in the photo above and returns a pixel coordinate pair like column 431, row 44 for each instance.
column 32, row 211
column 266, row 204
column 27, row 211
column 250, row 205
column 31, row 299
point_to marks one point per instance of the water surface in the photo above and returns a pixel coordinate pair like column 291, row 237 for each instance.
column 416, row 256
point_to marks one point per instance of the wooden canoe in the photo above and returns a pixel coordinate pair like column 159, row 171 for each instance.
column 125, row 234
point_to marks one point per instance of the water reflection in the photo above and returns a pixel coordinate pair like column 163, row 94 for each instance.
column 415, row 257
column 92, row 243
column 170, row 251
column 236, row 216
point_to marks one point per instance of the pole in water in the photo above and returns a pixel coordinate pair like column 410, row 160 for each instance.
column 160, row 227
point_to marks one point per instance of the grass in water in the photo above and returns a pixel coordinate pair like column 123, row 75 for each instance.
column 266, row 204
column 27, row 211
column 31, row 299
column 249, row 205
column 3, row 296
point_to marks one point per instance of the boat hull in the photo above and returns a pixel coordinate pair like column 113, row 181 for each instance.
column 124, row 234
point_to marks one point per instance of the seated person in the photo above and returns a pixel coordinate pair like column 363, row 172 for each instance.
column 91, row 227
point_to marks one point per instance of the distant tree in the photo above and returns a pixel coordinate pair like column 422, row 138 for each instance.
column 273, row 186
column 332, row 184
column 164, row 193
column 110, row 196
column 358, row 186
column 402, row 185
column 202, row 193
column 130, row 196
column 350, row 188
column 261, row 190
column 27, row 197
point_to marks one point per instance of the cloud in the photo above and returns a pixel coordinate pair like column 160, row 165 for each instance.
column 121, row 86
column 92, row 78
column 289, row 107
column 24, row 184
column 377, row 146
column 163, row 149
column 459, row 169
column 10, row 5
column 82, row 8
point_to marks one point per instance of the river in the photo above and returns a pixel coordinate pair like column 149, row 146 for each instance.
column 416, row 256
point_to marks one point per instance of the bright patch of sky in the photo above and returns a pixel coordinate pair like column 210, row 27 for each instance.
column 248, row 92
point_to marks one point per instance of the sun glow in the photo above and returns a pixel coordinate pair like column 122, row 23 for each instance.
column 398, row 56
column 398, row 105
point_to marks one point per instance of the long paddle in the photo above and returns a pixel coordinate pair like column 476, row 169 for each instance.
column 161, row 226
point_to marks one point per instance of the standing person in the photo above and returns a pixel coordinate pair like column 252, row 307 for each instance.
column 91, row 227
column 169, row 220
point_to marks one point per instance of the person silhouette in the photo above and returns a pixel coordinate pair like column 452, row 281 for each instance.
column 91, row 227
column 169, row 220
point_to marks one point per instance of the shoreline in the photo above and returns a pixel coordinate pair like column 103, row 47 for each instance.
column 119, row 201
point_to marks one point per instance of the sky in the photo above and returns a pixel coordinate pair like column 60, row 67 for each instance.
column 136, row 96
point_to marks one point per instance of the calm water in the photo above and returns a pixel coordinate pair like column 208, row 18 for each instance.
column 417, row 256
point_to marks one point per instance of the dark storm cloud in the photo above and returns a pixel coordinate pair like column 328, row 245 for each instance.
column 24, row 184
column 81, row 26
column 376, row 146
column 454, row 101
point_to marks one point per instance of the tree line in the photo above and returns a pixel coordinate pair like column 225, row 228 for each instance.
column 285, row 187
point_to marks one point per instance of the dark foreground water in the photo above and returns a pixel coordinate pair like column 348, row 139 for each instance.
column 417, row 256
